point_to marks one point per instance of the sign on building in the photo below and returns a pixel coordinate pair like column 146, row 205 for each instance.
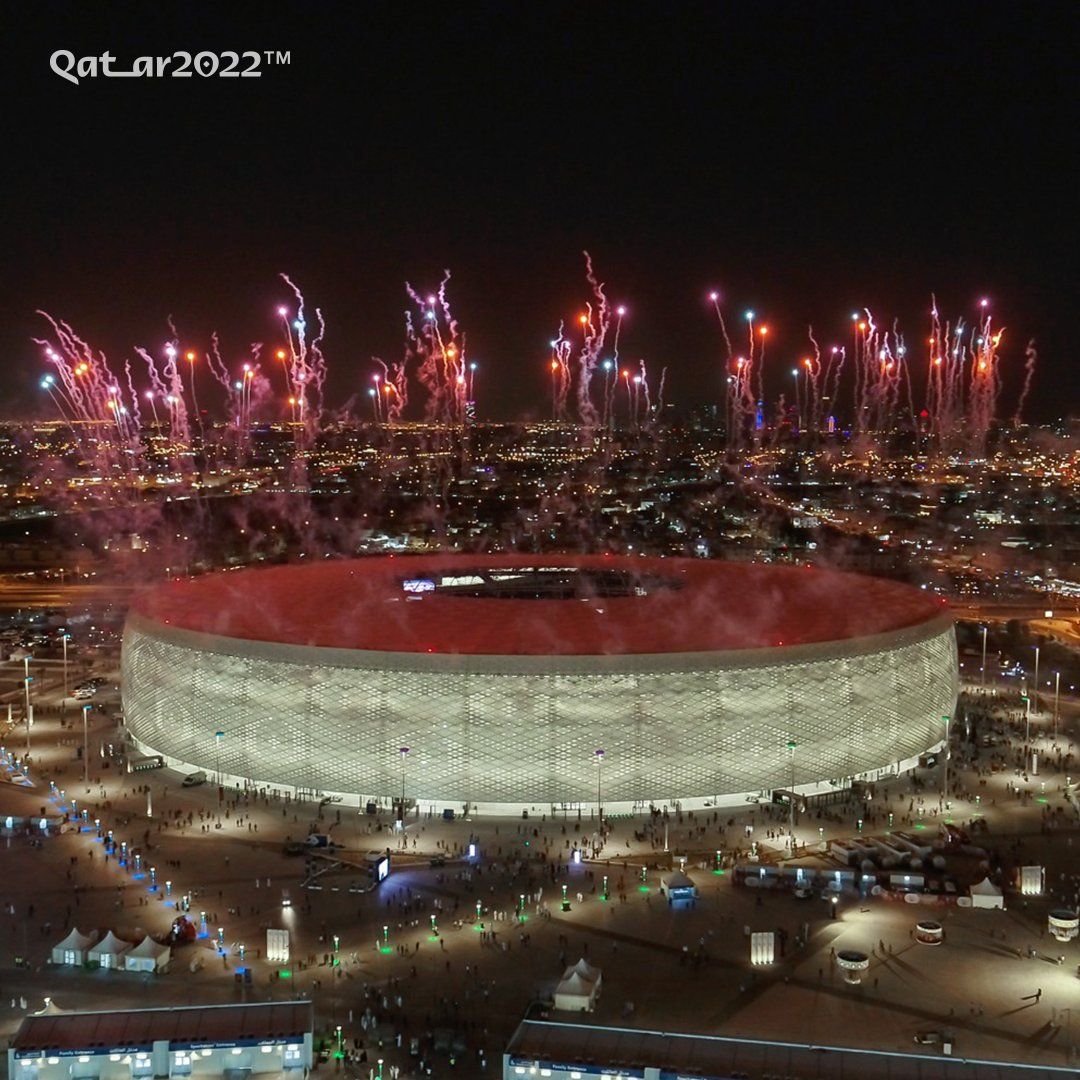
column 277, row 946
column 763, row 947
column 1032, row 880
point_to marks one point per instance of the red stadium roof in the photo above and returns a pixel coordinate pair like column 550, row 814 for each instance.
column 407, row 604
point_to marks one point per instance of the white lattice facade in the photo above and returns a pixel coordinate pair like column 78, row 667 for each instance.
column 523, row 731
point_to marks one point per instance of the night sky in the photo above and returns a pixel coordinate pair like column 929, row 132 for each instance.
column 805, row 160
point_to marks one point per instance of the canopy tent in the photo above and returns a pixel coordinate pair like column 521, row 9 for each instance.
column 680, row 888
column 148, row 955
column 985, row 894
column 74, row 948
column 576, row 994
column 109, row 951
column 586, row 971
column 50, row 1008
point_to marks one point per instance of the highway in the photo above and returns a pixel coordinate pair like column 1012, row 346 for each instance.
column 18, row 591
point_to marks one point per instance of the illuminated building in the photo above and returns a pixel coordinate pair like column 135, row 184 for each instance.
column 504, row 675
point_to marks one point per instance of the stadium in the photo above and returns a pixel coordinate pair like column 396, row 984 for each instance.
column 497, row 683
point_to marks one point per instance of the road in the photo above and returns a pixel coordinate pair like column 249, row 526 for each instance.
column 28, row 592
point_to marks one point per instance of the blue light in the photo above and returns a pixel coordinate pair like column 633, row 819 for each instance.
column 608, row 365
column 749, row 316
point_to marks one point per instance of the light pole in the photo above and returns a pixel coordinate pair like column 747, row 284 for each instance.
column 1027, row 718
column 791, row 794
column 85, row 752
column 218, row 736
column 26, row 680
column 64, row 642
column 945, row 763
column 1036, row 688
column 1057, row 699
column 26, row 688
column 599, row 755
column 983, row 669
column 404, row 753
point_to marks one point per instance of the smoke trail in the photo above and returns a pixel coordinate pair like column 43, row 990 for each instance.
column 1030, row 355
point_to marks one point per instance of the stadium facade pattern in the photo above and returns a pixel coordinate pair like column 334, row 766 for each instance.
column 503, row 675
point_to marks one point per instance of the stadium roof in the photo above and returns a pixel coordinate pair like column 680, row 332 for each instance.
column 538, row 605
column 587, row 1047
column 90, row 1031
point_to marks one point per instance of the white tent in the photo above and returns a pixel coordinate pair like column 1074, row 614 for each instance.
column 50, row 1008
column 74, row 948
column 575, row 994
column 148, row 955
column 109, row 951
column 678, row 880
column 586, row 971
column 985, row 894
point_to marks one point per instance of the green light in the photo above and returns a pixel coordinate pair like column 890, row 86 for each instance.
column 386, row 950
column 919, row 825
column 433, row 937
column 718, row 873
column 645, row 888
column 284, row 973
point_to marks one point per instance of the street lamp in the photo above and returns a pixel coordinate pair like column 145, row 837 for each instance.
column 791, row 794
column 26, row 689
column 64, row 641
column 404, row 753
column 1027, row 717
column 85, row 753
column 599, row 755
column 983, row 668
column 1057, row 699
column 945, row 762
column 218, row 736
column 1036, row 688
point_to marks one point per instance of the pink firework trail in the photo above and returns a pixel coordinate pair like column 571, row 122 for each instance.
column 436, row 343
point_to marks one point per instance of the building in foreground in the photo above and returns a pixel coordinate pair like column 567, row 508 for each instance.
column 585, row 1052
column 509, row 682
column 201, row 1040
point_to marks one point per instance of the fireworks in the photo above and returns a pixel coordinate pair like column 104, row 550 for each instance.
column 946, row 392
column 961, row 396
